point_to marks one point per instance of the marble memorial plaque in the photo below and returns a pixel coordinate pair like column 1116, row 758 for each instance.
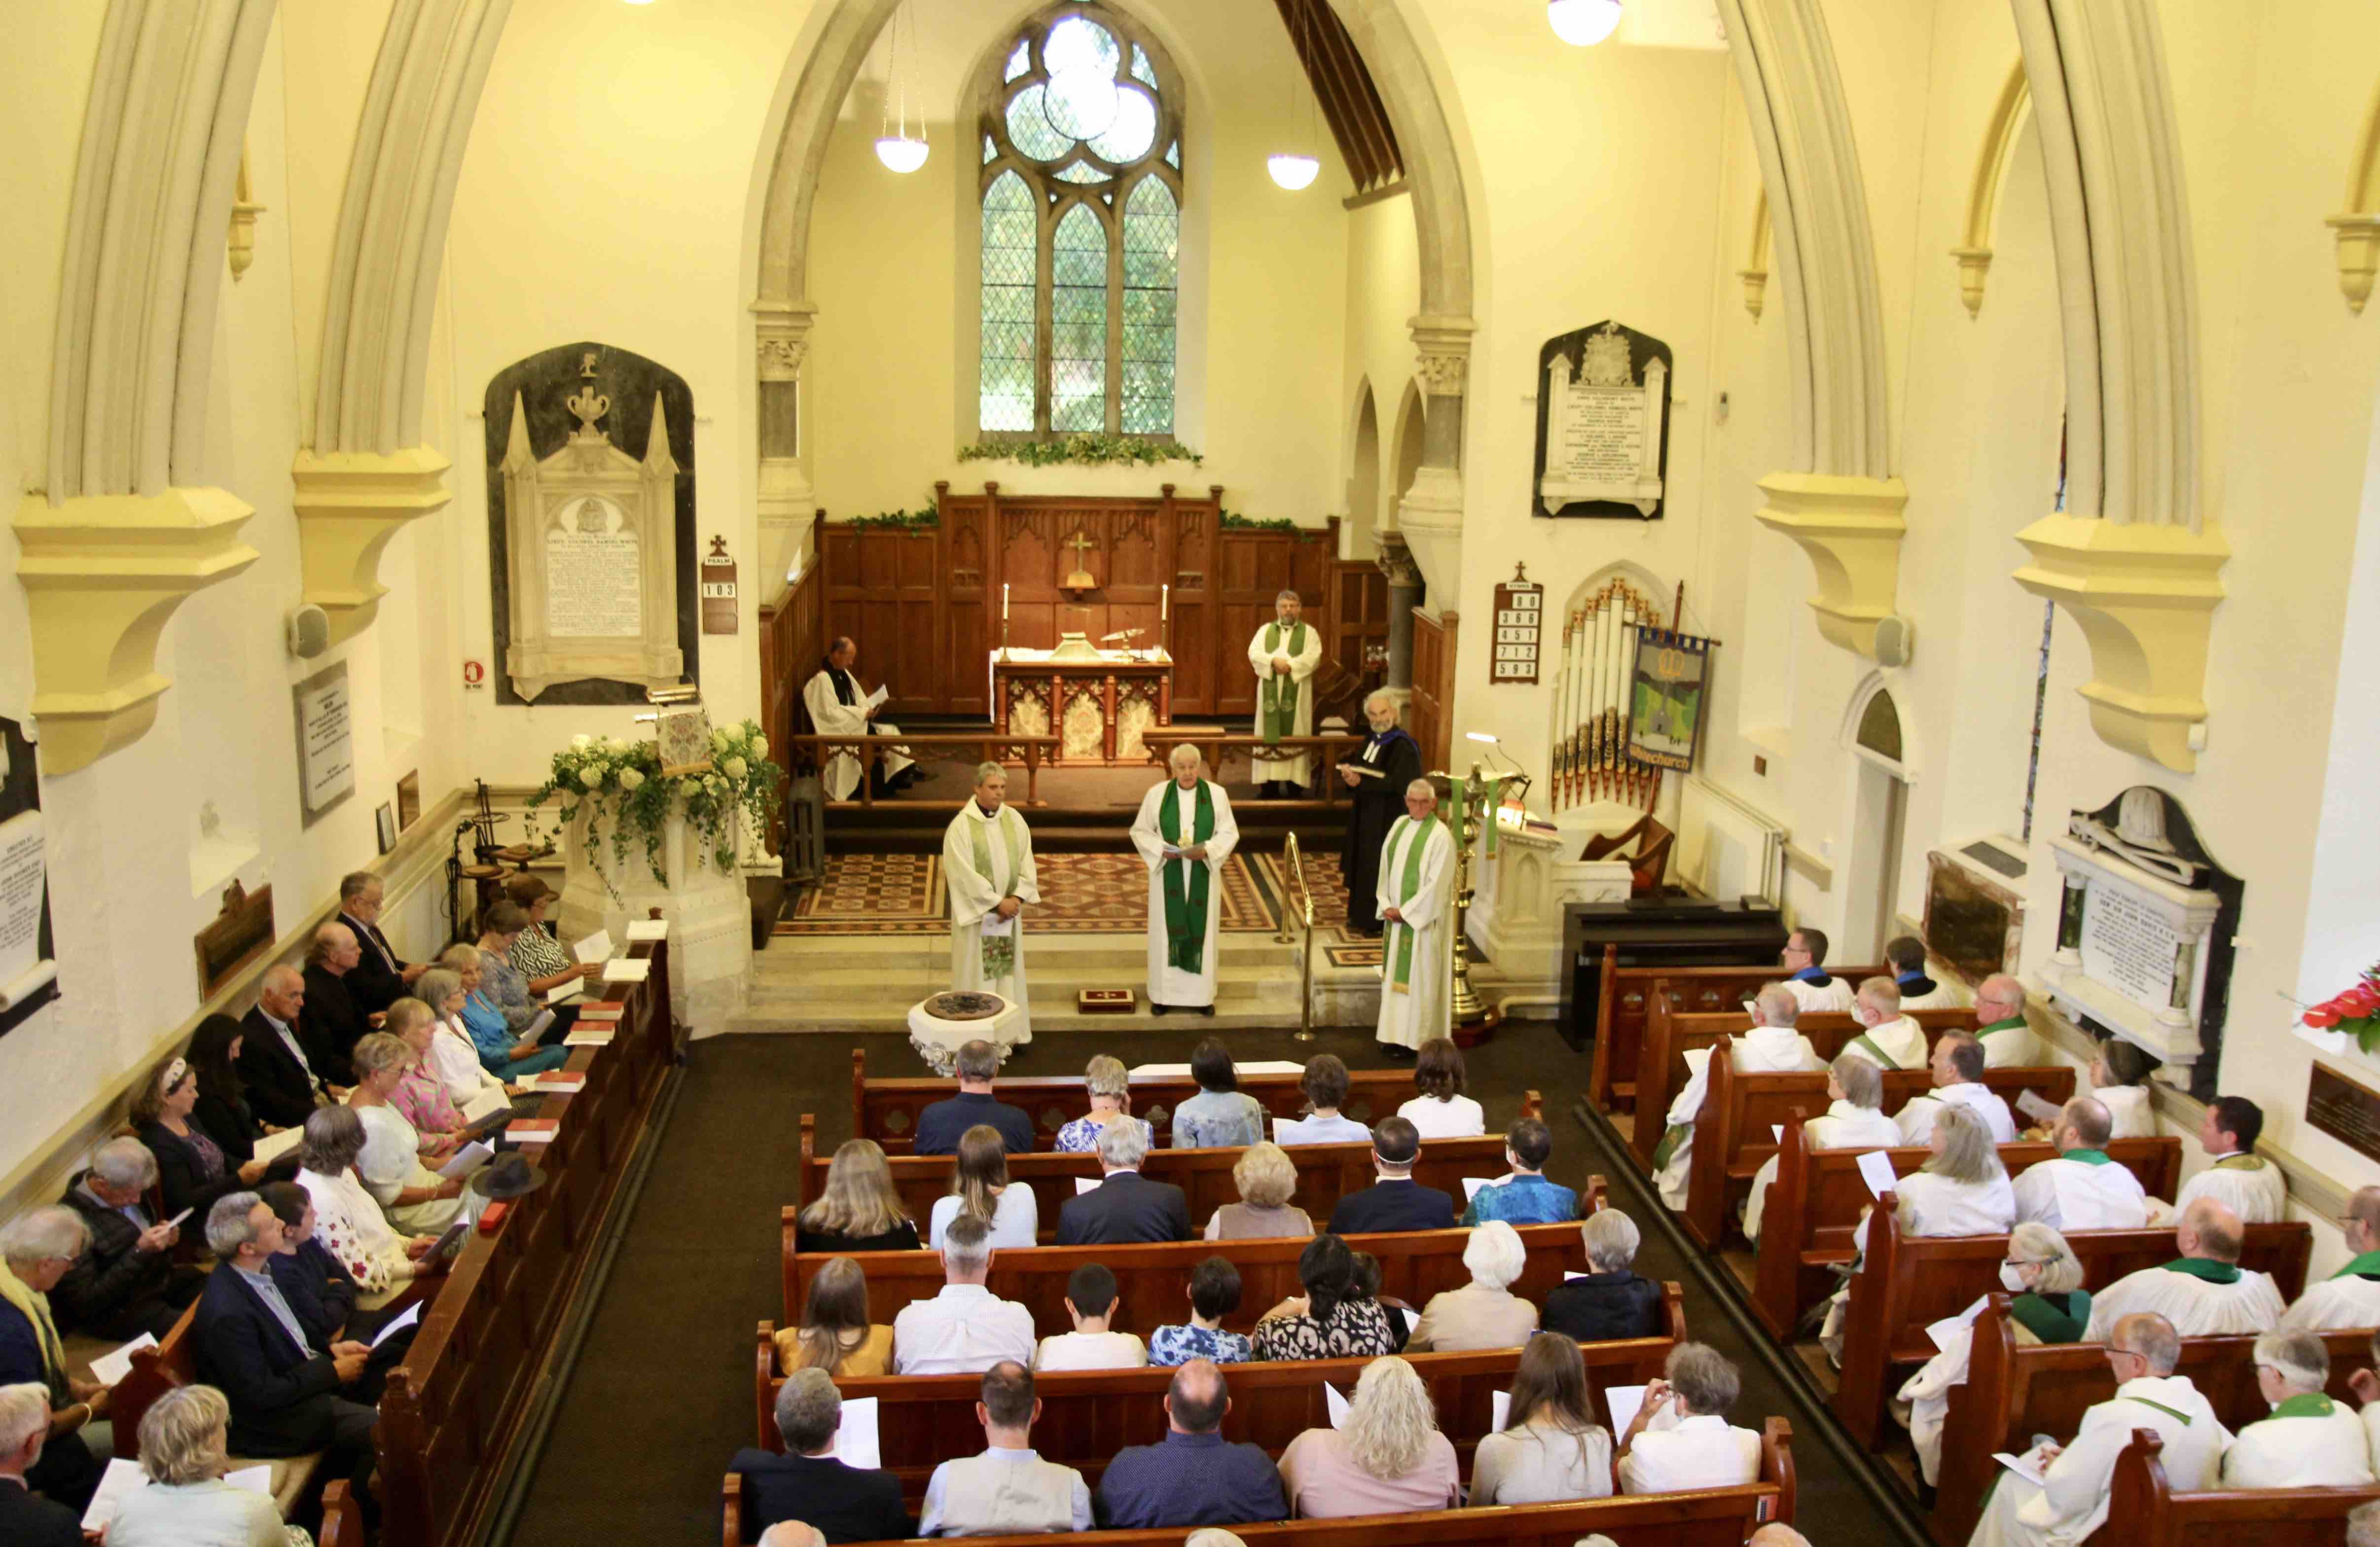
column 592, row 586
column 23, row 886
column 326, row 745
column 2129, row 947
column 1603, row 424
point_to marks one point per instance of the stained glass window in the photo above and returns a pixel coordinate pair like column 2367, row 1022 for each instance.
column 1082, row 206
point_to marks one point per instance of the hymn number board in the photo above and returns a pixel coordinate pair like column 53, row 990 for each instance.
column 1520, row 627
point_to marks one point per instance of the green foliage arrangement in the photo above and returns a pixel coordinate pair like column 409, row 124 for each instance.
column 903, row 521
column 1089, row 448
column 1233, row 521
column 608, row 779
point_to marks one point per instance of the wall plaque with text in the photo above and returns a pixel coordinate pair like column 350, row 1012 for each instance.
column 1603, row 424
column 2345, row 1110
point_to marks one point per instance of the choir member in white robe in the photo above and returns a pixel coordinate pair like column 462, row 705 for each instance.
column 1890, row 1040
column 1192, row 817
column 1416, row 902
column 1284, row 654
column 2350, row 1297
column 1906, row 955
column 988, row 865
column 2238, row 1177
column 2310, row 1440
column 1852, row 1121
column 2119, row 1081
column 2071, row 1501
column 2046, row 1304
column 1803, row 959
column 1771, row 1046
column 838, row 708
column 2000, row 1026
column 2082, row 1190
column 2204, row 1292
column 1957, row 1063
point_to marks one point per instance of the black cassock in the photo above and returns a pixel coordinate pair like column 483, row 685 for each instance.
column 1376, row 805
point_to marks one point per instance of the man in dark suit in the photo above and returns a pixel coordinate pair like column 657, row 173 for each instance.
column 940, row 1125
column 844, row 1503
column 276, row 1073
column 380, row 977
column 26, row 1518
column 1396, row 1201
column 333, row 1022
column 1126, row 1207
column 287, row 1396
column 126, row 1281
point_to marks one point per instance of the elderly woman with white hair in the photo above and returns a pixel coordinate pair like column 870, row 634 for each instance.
column 1484, row 1313
column 1184, row 833
column 184, row 1450
column 347, row 1218
column 1110, row 1093
column 126, row 1283
column 414, row 1196
column 1385, row 1457
column 2309, row 1440
column 1612, row 1301
column 2047, row 1304
column 36, row 1250
column 988, row 866
column 1680, row 1438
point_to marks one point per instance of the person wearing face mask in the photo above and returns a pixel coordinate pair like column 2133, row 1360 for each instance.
column 2082, row 1190
column 2309, row 1440
column 2047, row 1305
column 1853, row 1120
column 2204, row 1292
column 1890, row 1040
column 1376, row 778
column 2350, row 1297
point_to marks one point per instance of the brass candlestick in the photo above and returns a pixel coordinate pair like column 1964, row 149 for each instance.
column 1482, row 793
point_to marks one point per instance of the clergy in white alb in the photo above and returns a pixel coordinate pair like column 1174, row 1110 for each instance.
column 2350, row 1297
column 837, row 707
column 988, row 865
column 2309, row 1440
column 2070, row 1502
column 1771, row 1046
column 1906, row 955
column 2204, row 1292
column 2119, row 1079
column 2082, row 1190
column 2243, row 1181
column 1806, row 979
column 1184, row 833
column 1888, row 1039
column 1284, row 654
column 1956, row 1064
column 1416, row 894
column 1852, row 1121
column 2000, row 1026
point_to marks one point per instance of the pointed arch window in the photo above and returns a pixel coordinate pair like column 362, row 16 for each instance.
column 1081, row 198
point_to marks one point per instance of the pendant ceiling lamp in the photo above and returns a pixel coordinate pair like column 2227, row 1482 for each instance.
column 896, row 146
column 1297, row 167
column 1583, row 22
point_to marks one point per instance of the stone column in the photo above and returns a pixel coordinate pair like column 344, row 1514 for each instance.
column 1405, row 591
column 785, row 498
column 1431, row 514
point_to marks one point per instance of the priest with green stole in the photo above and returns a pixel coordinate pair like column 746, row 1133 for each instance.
column 2350, row 1297
column 1417, row 898
column 1285, row 653
column 988, row 865
column 1184, row 833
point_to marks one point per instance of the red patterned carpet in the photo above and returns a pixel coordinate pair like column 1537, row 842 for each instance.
column 1081, row 894
column 1344, row 948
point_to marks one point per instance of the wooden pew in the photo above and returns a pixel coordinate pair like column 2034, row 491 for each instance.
column 2015, row 1391
column 1816, row 1200
column 452, row 1412
column 1624, row 1000
column 1905, row 1284
column 2144, row 1511
column 1669, row 1035
column 887, row 1110
column 1414, row 1266
column 1087, row 1415
column 173, row 1363
column 343, row 1519
column 1326, row 1173
column 1741, row 1112
column 1709, row 1517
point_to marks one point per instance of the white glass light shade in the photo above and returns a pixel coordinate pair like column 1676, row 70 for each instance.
column 1293, row 172
column 1583, row 22
column 901, row 153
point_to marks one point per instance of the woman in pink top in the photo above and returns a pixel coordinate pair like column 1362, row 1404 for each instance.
column 420, row 1096
column 1387, row 1458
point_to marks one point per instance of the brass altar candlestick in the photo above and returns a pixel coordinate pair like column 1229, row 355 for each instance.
column 1482, row 793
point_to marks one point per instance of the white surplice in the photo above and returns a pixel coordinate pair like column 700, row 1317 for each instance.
column 1169, row 984
column 1423, row 1012
column 831, row 716
column 1832, row 998
column 2349, row 1300
column 2074, row 1502
column 974, row 895
column 2076, row 1195
column 2016, row 1048
column 1916, row 1119
column 1302, row 664
column 2196, row 1308
column 2250, row 1185
column 2130, row 1110
column 2323, row 1446
column 1900, row 1039
column 1761, row 1050
column 1841, row 1127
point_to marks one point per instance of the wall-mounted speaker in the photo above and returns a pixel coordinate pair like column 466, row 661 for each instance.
column 1895, row 635
column 308, row 630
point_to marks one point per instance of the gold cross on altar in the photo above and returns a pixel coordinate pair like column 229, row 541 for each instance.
column 1081, row 546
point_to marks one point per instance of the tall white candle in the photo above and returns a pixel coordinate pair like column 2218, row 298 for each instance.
column 1165, row 602
column 1004, row 600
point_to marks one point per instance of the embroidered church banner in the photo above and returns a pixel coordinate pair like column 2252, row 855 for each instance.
column 1665, row 713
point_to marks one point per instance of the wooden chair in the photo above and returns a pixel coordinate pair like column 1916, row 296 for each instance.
column 1648, row 862
column 1414, row 1266
column 1625, row 998
column 1708, row 1517
column 1815, row 1204
column 1905, row 1284
column 2144, row 1511
column 2017, row 1390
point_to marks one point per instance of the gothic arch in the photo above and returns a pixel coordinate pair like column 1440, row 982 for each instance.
column 1880, row 686
column 1364, row 461
column 2001, row 132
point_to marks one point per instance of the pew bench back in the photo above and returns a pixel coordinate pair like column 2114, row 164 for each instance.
column 2144, row 1511
column 1624, row 1001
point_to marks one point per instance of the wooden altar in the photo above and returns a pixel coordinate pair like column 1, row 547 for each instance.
column 1101, row 707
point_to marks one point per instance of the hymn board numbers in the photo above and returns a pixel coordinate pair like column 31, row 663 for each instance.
column 1520, row 619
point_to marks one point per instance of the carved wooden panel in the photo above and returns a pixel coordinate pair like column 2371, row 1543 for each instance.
column 1433, row 685
column 1359, row 612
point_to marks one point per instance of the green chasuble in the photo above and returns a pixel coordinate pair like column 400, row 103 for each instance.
column 1186, row 901
column 1406, row 881
column 999, row 951
column 1277, row 695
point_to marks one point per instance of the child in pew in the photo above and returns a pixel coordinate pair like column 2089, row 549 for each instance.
column 1092, row 1301
column 1214, row 1294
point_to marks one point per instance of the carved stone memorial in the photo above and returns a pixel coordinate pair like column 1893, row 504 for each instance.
column 1603, row 423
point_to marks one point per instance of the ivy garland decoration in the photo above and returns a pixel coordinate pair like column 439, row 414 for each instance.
column 1233, row 521
column 902, row 520
column 1088, row 448
column 603, row 776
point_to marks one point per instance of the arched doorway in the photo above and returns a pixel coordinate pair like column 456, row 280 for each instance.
column 1879, row 809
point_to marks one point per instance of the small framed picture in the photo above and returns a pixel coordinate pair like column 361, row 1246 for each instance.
column 387, row 819
column 409, row 800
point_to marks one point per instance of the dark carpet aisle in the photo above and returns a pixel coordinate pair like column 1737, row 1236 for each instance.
column 662, row 1394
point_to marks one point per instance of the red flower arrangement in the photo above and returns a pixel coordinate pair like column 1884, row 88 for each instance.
column 2355, row 1013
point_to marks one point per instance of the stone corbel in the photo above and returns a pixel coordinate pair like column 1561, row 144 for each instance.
column 1851, row 530
column 1755, row 272
column 349, row 504
column 2144, row 595
column 2357, row 227
column 1445, row 346
column 102, row 574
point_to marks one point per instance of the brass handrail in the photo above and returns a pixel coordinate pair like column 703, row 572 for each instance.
column 1292, row 868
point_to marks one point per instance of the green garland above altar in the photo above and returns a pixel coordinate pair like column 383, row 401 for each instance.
column 603, row 776
column 1089, row 448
